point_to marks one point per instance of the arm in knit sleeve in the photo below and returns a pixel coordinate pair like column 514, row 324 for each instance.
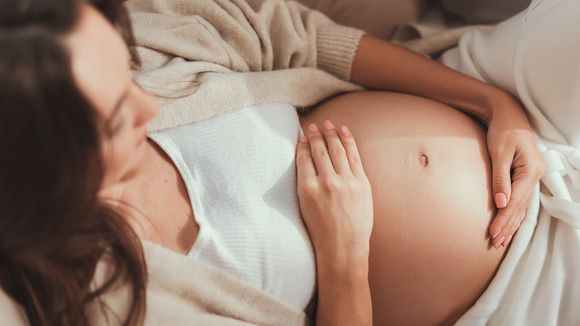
column 245, row 35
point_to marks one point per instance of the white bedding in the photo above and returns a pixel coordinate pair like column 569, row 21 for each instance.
column 536, row 56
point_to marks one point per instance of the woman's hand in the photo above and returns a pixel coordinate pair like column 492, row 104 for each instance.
column 337, row 208
column 334, row 192
column 517, row 166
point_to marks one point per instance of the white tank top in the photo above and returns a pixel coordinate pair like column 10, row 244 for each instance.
column 240, row 173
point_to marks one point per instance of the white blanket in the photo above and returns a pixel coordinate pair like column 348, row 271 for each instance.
column 536, row 56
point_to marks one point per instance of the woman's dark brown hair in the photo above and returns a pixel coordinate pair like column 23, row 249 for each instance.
column 53, row 228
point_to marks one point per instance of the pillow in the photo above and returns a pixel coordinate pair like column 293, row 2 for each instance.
column 484, row 11
column 376, row 17
column 10, row 312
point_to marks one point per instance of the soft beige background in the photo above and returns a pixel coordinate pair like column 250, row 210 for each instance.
column 484, row 11
column 377, row 17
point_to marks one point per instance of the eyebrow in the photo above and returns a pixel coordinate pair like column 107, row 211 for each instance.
column 117, row 108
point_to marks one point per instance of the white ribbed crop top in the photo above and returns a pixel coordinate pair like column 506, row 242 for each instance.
column 239, row 170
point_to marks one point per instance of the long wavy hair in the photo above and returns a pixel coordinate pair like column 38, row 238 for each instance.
column 53, row 227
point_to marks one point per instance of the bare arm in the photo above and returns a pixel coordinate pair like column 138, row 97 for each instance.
column 385, row 66
column 344, row 296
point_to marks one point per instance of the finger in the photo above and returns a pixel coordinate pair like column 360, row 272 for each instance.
column 508, row 218
column 352, row 152
column 501, row 180
column 510, row 228
column 336, row 149
column 304, row 164
column 515, row 228
column 517, row 217
column 507, row 241
column 319, row 151
column 505, row 238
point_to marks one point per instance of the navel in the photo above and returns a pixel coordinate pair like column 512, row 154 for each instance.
column 424, row 159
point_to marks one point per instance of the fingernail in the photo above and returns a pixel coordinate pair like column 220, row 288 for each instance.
column 500, row 200
column 328, row 124
column 499, row 241
column 507, row 241
column 304, row 139
column 313, row 127
column 496, row 234
column 345, row 131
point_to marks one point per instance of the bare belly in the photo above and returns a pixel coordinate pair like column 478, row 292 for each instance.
column 430, row 175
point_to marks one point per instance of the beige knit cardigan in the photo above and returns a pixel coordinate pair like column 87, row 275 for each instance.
column 204, row 58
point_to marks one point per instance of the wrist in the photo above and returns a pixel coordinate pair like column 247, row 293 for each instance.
column 484, row 111
column 352, row 276
column 350, row 264
column 508, row 108
column 494, row 101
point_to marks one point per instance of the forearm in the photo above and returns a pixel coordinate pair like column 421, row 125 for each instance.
column 382, row 65
column 344, row 296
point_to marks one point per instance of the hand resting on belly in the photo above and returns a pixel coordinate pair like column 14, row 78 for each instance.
column 430, row 254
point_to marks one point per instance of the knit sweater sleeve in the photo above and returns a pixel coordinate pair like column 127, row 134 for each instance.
column 245, row 35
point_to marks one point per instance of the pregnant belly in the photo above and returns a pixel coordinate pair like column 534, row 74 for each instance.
column 430, row 174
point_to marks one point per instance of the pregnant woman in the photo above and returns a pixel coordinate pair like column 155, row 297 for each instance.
column 223, row 190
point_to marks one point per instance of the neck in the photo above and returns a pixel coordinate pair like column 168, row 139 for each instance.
column 128, row 190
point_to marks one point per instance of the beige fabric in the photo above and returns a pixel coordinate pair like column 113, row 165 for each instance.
column 205, row 58
column 183, row 291
column 10, row 312
column 433, row 33
column 377, row 17
column 485, row 11
column 432, row 44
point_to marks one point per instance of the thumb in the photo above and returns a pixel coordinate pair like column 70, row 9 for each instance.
column 501, row 182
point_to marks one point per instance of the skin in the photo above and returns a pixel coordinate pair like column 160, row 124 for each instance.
column 430, row 255
column 104, row 77
column 136, row 169
column 414, row 150
column 337, row 208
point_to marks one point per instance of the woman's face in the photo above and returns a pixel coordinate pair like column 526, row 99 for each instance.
column 101, row 67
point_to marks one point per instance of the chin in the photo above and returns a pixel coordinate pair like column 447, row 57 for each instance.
column 133, row 170
column 132, row 167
